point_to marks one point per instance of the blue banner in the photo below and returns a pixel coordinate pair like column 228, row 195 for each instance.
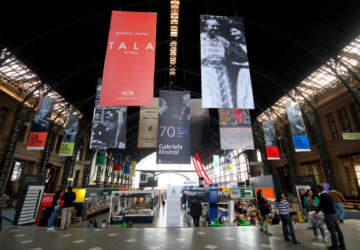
column 297, row 127
column 174, row 128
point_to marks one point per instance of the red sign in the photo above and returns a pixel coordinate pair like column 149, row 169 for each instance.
column 128, row 78
column 272, row 153
column 37, row 140
column 116, row 167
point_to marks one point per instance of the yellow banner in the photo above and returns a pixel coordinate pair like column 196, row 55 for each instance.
column 132, row 168
column 148, row 125
column 66, row 148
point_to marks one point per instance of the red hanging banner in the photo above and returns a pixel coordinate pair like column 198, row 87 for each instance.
column 128, row 78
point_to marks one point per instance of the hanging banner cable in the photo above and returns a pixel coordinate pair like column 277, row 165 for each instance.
column 202, row 167
column 196, row 169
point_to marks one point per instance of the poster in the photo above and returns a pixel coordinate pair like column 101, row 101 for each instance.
column 128, row 78
column 297, row 126
column 41, row 124
column 173, row 145
column 68, row 142
column 148, row 123
column 235, row 129
column 272, row 150
column 216, row 165
column 225, row 75
column 200, row 128
column 108, row 125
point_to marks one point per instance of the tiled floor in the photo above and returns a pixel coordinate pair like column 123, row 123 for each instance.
column 30, row 237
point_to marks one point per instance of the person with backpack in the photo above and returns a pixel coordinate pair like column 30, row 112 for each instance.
column 67, row 207
column 264, row 208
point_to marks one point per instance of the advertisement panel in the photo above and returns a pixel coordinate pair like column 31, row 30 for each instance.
column 132, row 168
column 235, row 129
column 297, row 126
column 228, row 160
column 41, row 124
column 225, row 75
column 216, row 164
column 272, row 150
column 200, row 128
column 68, row 142
column 173, row 146
column 128, row 78
column 108, row 125
column 148, row 123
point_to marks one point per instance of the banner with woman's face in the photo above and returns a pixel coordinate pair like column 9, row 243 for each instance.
column 225, row 74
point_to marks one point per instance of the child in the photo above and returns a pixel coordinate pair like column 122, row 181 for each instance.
column 91, row 224
column 103, row 224
column 252, row 220
column 188, row 219
column 129, row 224
column 95, row 223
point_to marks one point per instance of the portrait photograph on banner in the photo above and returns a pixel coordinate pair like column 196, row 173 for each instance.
column 297, row 127
column 41, row 124
column 70, row 131
column 225, row 74
column 148, row 125
column 108, row 128
column 128, row 78
column 235, row 129
column 272, row 149
column 173, row 146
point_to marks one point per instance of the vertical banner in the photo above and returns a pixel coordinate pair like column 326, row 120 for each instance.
column 68, row 142
column 200, row 128
column 272, row 150
column 216, row 165
column 297, row 126
column 235, row 129
column 128, row 78
column 228, row 160
column 173, row 146
column 225, row 75
column 132, row 168
column 108, row 125
column 40, row 126
column 148, row 124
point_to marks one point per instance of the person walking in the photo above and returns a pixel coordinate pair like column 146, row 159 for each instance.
column 196, row 211
column 55, row 206
column 264, row 208
column 68, row 205
column 338, row 199
column 312, row 203
column 326, row 205
column 283, row 206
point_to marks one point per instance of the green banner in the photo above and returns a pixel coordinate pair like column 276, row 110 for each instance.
column 247, row 193
column 67, row 148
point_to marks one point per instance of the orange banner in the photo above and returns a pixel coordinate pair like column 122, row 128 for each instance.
column 128, row 78
column 37, row 140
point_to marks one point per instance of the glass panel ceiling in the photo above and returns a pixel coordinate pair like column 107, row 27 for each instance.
column 17, row 80
column 317, row 82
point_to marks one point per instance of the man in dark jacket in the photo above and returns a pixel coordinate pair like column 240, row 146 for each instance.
column 327, row 206
column 196, row 211
column 67, row 207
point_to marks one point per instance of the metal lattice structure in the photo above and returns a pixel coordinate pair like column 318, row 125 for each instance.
column 322, row 80
column 18, row 81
